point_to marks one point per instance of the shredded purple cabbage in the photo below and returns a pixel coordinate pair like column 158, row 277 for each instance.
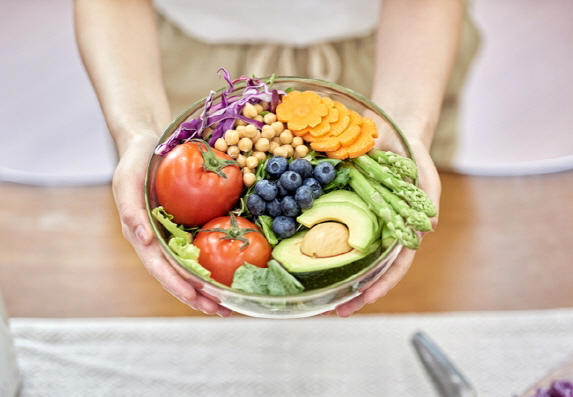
column 223, row 115
column 560, row 388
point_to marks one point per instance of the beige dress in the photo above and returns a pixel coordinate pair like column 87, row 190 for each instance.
column 189, row 67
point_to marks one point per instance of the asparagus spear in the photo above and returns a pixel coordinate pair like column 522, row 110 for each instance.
column 415, row 196
column 386, row 237
column 402, row 166
column 418, row 220
column 362, row 186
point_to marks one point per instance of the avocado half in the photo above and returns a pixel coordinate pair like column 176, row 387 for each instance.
column 320, row 272
column 363, row 236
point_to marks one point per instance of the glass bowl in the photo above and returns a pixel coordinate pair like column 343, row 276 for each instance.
column 306, row 304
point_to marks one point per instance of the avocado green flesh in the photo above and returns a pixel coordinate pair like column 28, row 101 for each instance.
column 361, row 230
column 342, row 196
column 288, row 253
column 345, row 196
column 320, row 279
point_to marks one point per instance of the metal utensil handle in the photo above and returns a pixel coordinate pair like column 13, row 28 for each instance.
column 447, row 379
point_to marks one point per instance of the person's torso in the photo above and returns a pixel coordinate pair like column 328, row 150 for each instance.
column 292, row 22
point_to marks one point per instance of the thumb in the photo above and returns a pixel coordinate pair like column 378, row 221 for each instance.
column 128, row 189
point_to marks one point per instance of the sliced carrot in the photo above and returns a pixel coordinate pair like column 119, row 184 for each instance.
column 362, row 145
column 339, row 154
column 351, row 133
column 301, row 110
column 325, row 145
column 370, row 126
column 343, row 119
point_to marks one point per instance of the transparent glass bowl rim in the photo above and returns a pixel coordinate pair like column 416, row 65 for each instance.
column 315, row 293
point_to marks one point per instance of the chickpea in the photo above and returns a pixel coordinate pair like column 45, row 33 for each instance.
column 250, row 111
column 259, row 107
column 231, row 137
column 221, row 145
column 289, row 150
column 250, row 131
column 280, row 151
column 297, row 141
column 252, row 162
column 256, row 137
column 265, row 105
column 278, row 127
column 241, row 130
column 259, row 118
column 300, row 151
column 245, row 144
column 285, row 137
column 272, row 146
column 267, row 132
column 246, row 170
column 242, row 160
column 241, row 123
column 276, row 139
column 233, row 152
column 249, row 178
column 270, row 118
column 261, row 156
column 262, row 145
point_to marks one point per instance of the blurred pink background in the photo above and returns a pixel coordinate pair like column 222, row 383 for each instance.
column 517, row 107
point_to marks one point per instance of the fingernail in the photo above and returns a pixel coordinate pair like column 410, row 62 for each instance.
column 141, row 234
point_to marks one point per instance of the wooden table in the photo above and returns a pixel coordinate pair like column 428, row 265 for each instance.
column 502, row 243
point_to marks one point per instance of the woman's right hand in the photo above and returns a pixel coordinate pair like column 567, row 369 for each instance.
column 128, row 192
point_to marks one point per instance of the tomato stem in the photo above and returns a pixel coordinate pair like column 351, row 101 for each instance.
column 233, row 233
column 212, row 163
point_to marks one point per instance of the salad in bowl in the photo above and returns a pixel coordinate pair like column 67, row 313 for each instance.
column 269, row 197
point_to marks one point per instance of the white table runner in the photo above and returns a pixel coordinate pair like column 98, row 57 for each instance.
column 501, row 353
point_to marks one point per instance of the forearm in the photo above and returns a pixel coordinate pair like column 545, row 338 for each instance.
column 119, row 46
column 417, row 41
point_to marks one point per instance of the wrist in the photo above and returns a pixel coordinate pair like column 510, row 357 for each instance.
column 417, row 121
column 127, row 130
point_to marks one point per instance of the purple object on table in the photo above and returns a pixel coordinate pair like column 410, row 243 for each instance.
column 559, row 388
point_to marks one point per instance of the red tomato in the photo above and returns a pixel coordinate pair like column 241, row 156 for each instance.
column 226, row 243
column 195, row 183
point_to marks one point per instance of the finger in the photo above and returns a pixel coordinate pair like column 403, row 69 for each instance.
column 160, row 269
column 346, row 309
column 391, row 278
column 428, row 175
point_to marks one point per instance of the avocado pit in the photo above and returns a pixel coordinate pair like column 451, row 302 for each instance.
column 325, row 240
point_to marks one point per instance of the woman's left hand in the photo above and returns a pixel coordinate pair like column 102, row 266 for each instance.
column 429, row 181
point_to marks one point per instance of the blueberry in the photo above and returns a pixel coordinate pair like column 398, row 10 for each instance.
column 303, row 197
column 282, row 191
column 255, row 204
column 324, row 173
column 276, row 166
column 290, row 181
column 274, row 208
column 266, row 189
column 289, row 206
column 302, row 167
column 314, row 187
column 284, row 226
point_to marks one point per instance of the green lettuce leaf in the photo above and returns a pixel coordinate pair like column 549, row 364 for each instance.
column 165, row 219
column 180, row 243
column 273, row 280
column 188, row 255
column 266, row 223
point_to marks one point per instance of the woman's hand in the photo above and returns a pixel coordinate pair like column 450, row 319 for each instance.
column 429, row 181
column 128, row 191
